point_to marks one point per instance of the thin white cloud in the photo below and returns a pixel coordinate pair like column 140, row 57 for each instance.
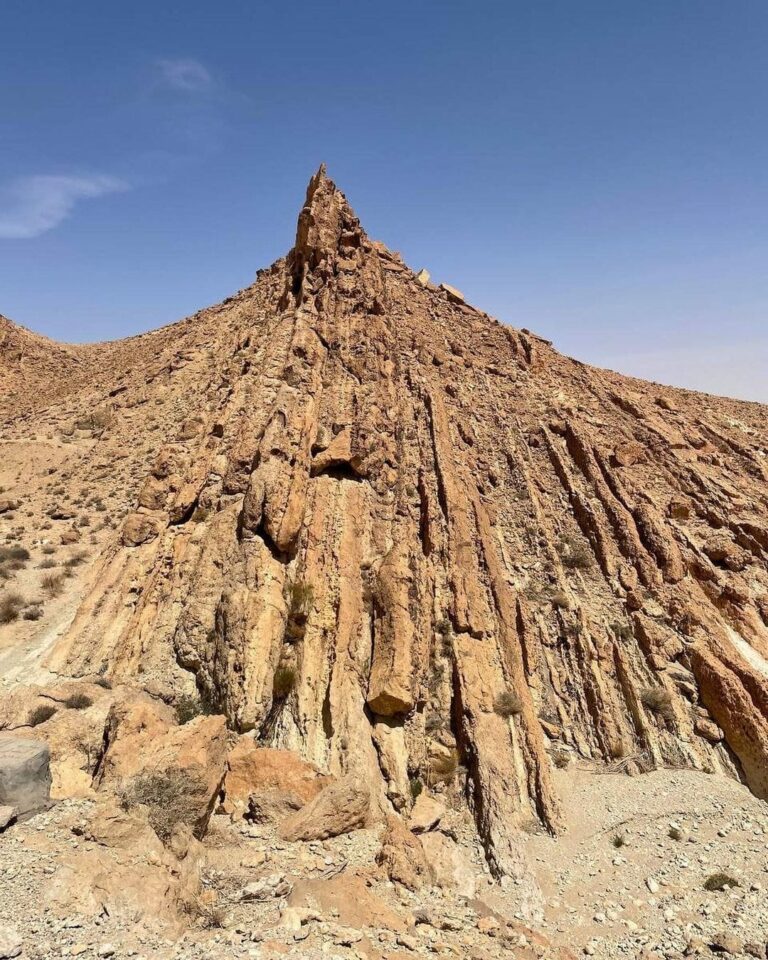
column 33, row 205
column 189, row 76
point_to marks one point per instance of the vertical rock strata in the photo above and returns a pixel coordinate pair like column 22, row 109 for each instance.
column 411, row 544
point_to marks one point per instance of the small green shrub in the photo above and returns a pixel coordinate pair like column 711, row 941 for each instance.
column 574, row 554
column 416, row 786
column 618, row 840
column 187, row 708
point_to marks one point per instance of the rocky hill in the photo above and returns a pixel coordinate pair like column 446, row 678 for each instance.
column 369, row 524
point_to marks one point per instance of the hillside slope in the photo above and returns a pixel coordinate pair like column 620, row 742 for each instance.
column 372, row 524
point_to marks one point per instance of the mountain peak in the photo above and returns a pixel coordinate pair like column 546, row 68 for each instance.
column 325, row 222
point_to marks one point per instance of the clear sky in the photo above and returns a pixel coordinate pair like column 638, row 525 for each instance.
column 595, row 171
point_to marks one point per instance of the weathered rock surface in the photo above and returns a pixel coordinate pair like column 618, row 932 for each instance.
column 365, row 516
column 25, row 774
column 268, row 784
column 338, row 808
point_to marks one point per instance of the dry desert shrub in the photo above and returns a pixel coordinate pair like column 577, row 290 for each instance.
column 507, row 704
column 166, row 796
column 11, row 605
column 658, row 700
column 52, row 584
column 40, row 714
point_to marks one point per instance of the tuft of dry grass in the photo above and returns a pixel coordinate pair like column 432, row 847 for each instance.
column 11, row 605
column 40, row 714
column 658, row 700
column 507, row 704
column 52, row 584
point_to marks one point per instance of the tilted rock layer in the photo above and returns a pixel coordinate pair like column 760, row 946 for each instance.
column 384, row 530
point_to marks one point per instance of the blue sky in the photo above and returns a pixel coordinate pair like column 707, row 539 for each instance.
column 595, row 171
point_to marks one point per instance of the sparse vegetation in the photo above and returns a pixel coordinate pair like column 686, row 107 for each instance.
column 33, row 612
column 622, row 630
column 188, row 707
column 574, row 554
column 209, row 915
column 507, row 704
column 165, row 795
column 78, row 701
column 717, row 882
column 300, row 598
column 52, row 584
column 40, row 714
column 560, row 600
column 417, row 787
column 659, row 701
column 11, row 605
column 284, row 681
column 618, row 840
column 443, row 768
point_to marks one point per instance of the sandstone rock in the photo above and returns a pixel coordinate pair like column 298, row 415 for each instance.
column 7, row 816
column 339, row 808
column 449, row 865
column 707, row 729
column 25, row 774
column 426, row 814
column 6, row 504
column 138, row 528
column 268, row 888
column 726, row 943
column 423, row 277
column 177, row 770
column 266, row 783
column 466, row 453
column 456, row 296
column 402, row 856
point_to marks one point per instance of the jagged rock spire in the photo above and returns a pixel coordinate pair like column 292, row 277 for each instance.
column 326, row 221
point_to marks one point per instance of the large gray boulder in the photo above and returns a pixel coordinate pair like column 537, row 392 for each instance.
column 25, row 774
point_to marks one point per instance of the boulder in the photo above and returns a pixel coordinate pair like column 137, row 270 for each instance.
column 450, row 867
column 402, row 856
column 7, row 817
column 268, row 784
column 25, row 774
column 10, row 943
column 454, row 295
column 177, row 771
column 339, row 808
column 138, row 528
column 6, row 504
column 426, row 814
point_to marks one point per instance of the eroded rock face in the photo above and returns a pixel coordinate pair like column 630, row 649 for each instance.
column 266, row 784
column 417, row 546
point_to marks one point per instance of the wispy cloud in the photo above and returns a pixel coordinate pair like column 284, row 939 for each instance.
column 189, row 76
column 33, row 205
